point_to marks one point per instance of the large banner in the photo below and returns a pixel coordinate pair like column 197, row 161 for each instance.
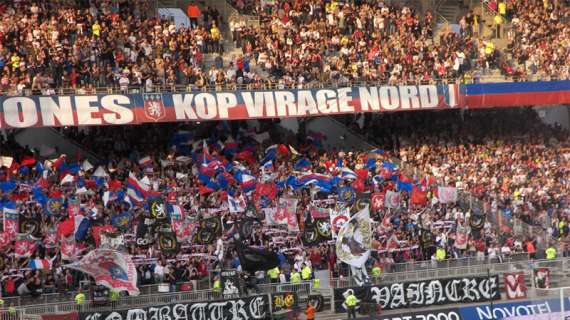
column 497, row 311
column 110, row 268
column 255, row 307
column 424, row 293
column 121, row 109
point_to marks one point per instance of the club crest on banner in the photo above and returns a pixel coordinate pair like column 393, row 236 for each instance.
column 154, row 106
column 515, row 286
column 158, row 209
column 542, row 278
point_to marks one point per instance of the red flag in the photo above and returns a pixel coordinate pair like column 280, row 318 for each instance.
column 362, row 173
column 282, row 149
column 247, row 156
column 358, row 185
column 114, row 185
column 205, row 190
column 66, row 228
column 22, row 196
column 268, row 189
column 4, row 240
column 377, row 201
column 28, row 161
column 68, row 249
column 419, row 197
column 24, row 247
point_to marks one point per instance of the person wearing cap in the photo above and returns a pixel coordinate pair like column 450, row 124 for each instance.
column 350, row 301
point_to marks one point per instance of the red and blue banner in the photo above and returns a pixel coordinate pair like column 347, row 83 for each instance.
column 110, row 268
column 124, row 109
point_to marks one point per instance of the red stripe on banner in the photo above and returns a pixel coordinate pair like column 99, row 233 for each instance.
column 517, row 99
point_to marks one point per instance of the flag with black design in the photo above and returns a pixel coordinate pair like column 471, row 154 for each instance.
column 427, row 243
column 477, row 221
column 144, row 235
column 317, row 231
column 208, row 230
column 30, row 226
column 362, row 201
column 167, row 239
column 255, row 259
column 157, row 208
column 230, row 284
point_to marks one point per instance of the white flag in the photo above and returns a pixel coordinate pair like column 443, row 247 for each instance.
column 392, row 199
column 447, row 194
column 354, row 242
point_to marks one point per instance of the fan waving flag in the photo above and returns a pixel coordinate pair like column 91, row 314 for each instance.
column 354, row 242
column 109, row 268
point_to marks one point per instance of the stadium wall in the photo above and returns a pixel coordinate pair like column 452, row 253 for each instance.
column 123, row 109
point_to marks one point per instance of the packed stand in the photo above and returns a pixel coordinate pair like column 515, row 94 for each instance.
column 368, row 41
column 82, row 45
column 227, row 174
column 538, row 47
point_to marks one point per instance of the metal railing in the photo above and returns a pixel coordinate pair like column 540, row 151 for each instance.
column 302, row 289
column 560, row 266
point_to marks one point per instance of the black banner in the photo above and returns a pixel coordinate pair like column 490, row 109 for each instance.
column 230, row 284
column 424, row 293
column 167, row 240
column 144, row 236
column 208, row 230
column 255, row 307
column 284, row 301
column 362, row 200
column 157, row 209
column 317, row 231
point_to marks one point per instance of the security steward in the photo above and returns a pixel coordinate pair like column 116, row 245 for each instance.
column 351, row 301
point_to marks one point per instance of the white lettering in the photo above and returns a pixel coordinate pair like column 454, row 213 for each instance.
column 326, row 101
column 198, row 311
column 226, row 101
column 389, row 98
column 51, row 110
column 121, row 114
column 206, row 107
column 216, row 310
column 136, row 314
column 285, row 101
column 183, row 107
column 369, row 98
column 12, row 108
column 254, row 105
column 344, row 98
column 306, row 103
column 179, row 312
column 452, row 101
column 258, row 308
column 409, row 97
column 428, row 96
column 85, row 110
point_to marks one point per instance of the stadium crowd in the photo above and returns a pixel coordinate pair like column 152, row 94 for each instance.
column 371, row 41
column 514, row 164
column 538, row 42
column 87, row 44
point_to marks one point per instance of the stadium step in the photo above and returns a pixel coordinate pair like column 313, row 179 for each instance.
column 49, row 139
column 337, row 134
